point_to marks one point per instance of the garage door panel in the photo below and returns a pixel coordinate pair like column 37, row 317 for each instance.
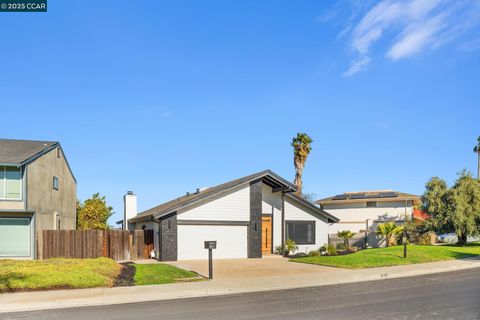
column 15, row 237
column 231, row 241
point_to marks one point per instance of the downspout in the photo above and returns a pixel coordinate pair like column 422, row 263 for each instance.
column 283, row 220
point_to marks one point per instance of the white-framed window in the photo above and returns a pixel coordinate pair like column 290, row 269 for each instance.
column 56, row 183
column 10, row 183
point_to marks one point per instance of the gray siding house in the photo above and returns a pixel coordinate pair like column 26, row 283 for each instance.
column 37, row 192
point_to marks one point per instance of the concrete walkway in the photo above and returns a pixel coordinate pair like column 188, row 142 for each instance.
column 222, row 285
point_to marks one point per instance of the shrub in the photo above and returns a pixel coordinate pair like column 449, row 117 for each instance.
column 290, row 246
column 424, row 239
column 331, row 250
column 279, row 250
column 323, row 249
column 314, row 253
column 341, row 246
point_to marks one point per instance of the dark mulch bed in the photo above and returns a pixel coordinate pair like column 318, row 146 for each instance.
column 344, row 252
column 126, row 276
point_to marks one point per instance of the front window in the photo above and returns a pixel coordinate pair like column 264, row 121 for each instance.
column 302, row 232
column 10, row 183
column 55, row 183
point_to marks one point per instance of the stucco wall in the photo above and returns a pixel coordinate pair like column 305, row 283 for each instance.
column 46, row 201
column 11, row 205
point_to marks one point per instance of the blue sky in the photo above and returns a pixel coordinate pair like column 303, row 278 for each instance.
column 164, row 97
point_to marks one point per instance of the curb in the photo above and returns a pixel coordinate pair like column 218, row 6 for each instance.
column 61, row 299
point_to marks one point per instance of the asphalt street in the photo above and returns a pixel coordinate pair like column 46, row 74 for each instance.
column 453, row 295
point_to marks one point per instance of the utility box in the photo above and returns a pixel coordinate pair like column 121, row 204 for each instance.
column 210, row 244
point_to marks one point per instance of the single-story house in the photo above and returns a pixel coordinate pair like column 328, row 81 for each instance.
column 248, row 218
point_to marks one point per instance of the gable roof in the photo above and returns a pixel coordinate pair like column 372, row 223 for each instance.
column 364, row 196
column 268, row 177
column 20, row 152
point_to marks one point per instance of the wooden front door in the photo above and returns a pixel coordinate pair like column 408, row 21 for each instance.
column 266, row 235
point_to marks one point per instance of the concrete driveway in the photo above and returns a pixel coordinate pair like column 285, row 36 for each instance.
column 268, row 266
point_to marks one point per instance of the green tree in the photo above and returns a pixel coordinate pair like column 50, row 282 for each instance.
column 433, row 203
column 476, row 149
column 93, row 213
column 346, row 235
column 456, row 209
column 389, row 231
column 301, row 149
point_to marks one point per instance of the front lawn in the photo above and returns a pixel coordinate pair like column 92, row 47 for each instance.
column 26, row 275
column 383, row 257
column 160, row 273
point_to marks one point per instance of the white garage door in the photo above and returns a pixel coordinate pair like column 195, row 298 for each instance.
column 231, row 241
column 15, row 237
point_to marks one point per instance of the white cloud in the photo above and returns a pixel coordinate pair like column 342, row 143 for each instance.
column 416, row 25
column 415, row 38
column 357, row 66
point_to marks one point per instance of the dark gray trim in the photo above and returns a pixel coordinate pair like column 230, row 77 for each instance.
column 278, row 189
column 255, row 228
column 307, row 221
column 16, row 211
column 168, row 238
column 25, row 189
column 212, row 223
column 272, row 232
column 283, row 220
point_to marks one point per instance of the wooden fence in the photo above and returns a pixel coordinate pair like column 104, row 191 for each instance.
column 82, row 244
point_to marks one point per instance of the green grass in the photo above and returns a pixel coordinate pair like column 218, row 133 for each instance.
column 26, row 275
column 160, row 273
column 393, row 256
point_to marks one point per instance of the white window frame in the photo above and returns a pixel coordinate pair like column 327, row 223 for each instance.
column 4, row 195
column 57, row 186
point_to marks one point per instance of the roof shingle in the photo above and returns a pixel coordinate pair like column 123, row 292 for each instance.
column 20, row 151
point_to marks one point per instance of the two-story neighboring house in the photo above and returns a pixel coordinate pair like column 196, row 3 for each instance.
column 359, row 211
column 37, row 192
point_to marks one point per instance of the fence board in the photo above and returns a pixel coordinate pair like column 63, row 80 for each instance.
column 114, row 244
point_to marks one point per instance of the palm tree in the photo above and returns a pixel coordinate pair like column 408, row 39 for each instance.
column 346, row 235
column 301, row 149
column 389, row 231
column 476, row 149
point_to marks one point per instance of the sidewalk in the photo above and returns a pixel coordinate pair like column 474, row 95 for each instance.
column 10, row 302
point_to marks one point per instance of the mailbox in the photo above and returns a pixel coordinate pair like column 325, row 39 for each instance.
column 210, row 244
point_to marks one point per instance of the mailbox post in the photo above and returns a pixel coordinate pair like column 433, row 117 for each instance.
column 210, row 245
